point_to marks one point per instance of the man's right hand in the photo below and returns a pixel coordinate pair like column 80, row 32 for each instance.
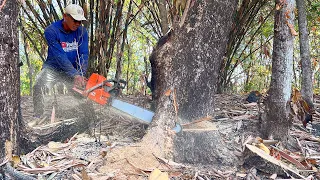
column 79, row 81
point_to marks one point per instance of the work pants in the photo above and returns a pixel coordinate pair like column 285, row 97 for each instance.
column 47, row 78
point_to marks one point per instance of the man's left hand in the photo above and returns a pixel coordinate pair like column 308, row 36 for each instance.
column 80, row 81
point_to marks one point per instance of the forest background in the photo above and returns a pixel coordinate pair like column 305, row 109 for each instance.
column 123, row 33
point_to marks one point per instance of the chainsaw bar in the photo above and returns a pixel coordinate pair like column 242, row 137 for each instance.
column 138, row 112
column 135, row 111
column 99, row 90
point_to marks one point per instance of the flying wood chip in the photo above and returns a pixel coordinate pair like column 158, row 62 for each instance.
column 8, row 149
column 168, row 92
column 278, row 7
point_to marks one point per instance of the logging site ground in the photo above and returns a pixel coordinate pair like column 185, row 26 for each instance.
column 111, row 148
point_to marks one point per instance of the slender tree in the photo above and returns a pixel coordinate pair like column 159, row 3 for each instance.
column 277, row 122
column 121, row 49
column 306, row 83
column 25, row 46
column 163, row 13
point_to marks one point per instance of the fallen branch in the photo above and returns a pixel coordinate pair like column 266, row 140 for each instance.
column 16, row 174
column 4, row 162
column 67, row 122
column 137, row 168
column 271, row 159
column 162, row 161
column 3, row 4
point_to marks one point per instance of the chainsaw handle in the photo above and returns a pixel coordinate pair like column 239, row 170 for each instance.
column 123, row 82
column 119, row 83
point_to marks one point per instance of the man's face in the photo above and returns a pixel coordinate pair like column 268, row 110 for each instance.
column 71, row 23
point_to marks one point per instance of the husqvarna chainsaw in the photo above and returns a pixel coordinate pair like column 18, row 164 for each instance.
column 104, row 92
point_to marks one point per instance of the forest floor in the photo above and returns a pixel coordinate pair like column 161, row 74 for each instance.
column 111, row 148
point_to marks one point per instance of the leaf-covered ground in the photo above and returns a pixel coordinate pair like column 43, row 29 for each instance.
column 111, row 149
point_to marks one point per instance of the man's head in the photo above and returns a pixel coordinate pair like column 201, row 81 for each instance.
column 73, row 17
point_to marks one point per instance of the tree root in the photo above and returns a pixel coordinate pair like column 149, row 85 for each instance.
column 8, row 172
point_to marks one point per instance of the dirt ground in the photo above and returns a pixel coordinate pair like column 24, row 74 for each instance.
column 111, row 148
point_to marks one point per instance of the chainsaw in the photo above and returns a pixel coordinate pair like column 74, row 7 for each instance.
column 104, row 92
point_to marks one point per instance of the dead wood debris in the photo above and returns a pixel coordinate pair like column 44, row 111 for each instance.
column 75, row 159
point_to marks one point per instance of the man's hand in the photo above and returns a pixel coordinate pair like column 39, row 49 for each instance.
column 79, row 81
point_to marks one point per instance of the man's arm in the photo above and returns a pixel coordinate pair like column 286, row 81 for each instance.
column 58, row 54
column 83, row 49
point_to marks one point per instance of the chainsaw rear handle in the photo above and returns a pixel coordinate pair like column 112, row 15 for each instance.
column 119, row 84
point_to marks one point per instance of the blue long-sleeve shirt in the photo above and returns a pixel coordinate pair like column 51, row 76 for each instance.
column 67, row 51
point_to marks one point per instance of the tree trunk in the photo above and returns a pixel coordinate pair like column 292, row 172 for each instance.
column 306, row 84
column 121, row 50
column 119, row 60
column 9, row 83
column 277, row 121
column 27, row 59
column 128, row 67
column 163, row 16
column 187, row 67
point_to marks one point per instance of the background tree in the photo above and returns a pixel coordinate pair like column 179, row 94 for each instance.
column 277, row 122
column 250, row 17
column 306, row 82
column 163, row 16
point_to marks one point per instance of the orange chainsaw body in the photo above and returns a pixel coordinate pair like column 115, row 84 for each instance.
column 98, row 95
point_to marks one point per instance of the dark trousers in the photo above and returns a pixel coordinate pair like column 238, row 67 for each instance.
column 47, row 78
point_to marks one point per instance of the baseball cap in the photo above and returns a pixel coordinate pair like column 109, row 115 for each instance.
column 75, row 11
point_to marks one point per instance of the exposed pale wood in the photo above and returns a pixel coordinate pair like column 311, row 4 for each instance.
column 200, row 130
column 197, row 121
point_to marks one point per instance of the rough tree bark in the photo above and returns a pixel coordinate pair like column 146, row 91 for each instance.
column 9, row 81
column 277, row 122
column 187, row 67
column 306, row 83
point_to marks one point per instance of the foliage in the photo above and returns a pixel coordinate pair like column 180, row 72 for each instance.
column 247, row 65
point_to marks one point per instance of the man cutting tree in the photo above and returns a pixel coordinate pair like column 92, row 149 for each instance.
column 68, row 53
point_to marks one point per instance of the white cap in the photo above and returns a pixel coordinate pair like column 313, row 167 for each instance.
column 75, row 11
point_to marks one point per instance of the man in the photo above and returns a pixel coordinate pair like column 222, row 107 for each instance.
column 67, row 59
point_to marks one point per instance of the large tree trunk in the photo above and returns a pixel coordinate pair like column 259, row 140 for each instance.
column 187, row 67
column 9, row 83
column 277, row 122
column 306, row 84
